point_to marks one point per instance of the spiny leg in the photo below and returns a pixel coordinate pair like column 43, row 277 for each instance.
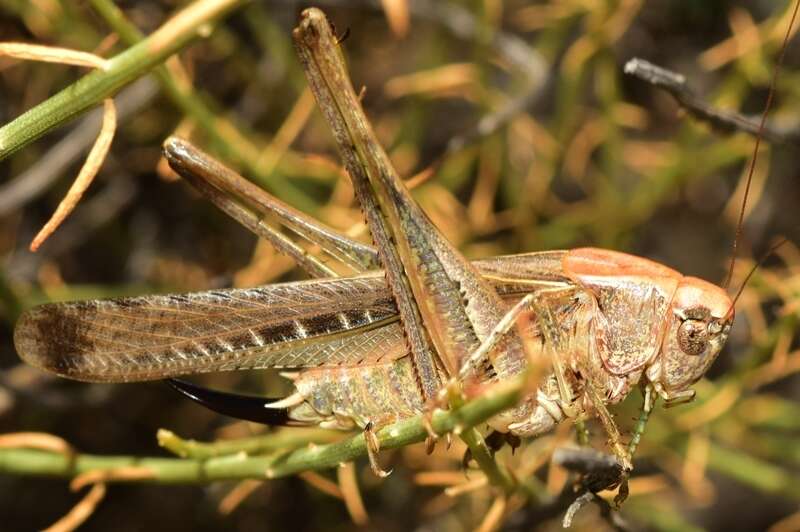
column 555, row 337
column 445, row 305
column 534, row 301
column 480, row 355
column 647, row 407
column 610, row 426
column 556, row 340
column 250, row 206
column 648, row 402
column 538, row 302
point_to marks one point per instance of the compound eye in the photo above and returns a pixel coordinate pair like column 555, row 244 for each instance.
column 693, row 337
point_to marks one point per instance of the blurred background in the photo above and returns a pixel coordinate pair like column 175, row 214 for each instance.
column 520, row 132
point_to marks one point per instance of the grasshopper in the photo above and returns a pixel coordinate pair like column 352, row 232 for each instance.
column 386, row 344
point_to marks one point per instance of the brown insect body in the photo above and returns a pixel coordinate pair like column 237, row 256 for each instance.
column 381, row 346
column 344, row 335
column 618, row 324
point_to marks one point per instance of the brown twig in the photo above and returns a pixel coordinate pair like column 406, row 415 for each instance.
column 722, row 120
column 81, row 511
column 85, row 177
column 35, row 180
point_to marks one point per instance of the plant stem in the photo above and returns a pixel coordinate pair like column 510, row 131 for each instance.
column 280, row 440
column 125, row 67
column 480, row 453
column 226, row 138
column 241, row 466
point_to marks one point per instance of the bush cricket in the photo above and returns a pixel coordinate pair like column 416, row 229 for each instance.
column 379, row 346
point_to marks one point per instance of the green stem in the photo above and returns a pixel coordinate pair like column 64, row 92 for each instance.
column 241, row 466
column 479, row 450
column 402, row 433
column 282, row 439
column 481, row 454
column 226, row 138
column 125, row 67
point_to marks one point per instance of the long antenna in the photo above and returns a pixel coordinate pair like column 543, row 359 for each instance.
column 747, row 277
column 760, row 133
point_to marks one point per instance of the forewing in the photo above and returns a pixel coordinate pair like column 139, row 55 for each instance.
column 302, row 324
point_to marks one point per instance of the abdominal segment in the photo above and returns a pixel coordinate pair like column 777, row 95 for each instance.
column 385, row 389
column 351, row 396
column 347, row 398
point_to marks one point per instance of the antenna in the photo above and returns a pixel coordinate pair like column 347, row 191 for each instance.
column 759, row 134
column 758, row 264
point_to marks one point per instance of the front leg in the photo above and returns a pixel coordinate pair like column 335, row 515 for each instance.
column 647, row 407
column 610, row 426
column 564, row 347
column 544, row 304
column 578, row 348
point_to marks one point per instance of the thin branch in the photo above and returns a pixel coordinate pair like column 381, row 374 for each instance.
column 479, row 451
column 225, row 137
column 279, row 440
column 240, row 465
column 121, row 70
column 35, row 180
column 81, row 511
column 86, row 175
column 727, row 121
column 51, row 54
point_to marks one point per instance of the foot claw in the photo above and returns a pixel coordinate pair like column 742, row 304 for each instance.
column 430, row 444
column 622, row 493
column 373, row 448
column 513, row 442
column 496, row 440
column 466, row 459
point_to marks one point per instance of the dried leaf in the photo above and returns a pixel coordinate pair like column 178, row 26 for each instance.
column 85, row 177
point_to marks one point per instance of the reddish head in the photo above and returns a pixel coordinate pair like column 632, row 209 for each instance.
column 654, row 318
column 698, row 322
